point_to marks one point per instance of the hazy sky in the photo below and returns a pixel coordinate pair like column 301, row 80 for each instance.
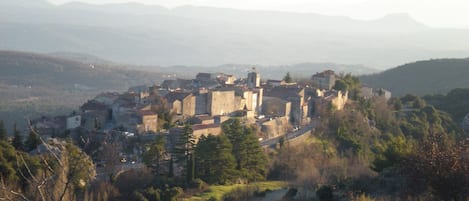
column 435, row 13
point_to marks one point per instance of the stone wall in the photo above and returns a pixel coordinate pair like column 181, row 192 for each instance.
column 188, row 106
column 201, row 104
column 221, row 102
column 275, row 127
column 276, row 107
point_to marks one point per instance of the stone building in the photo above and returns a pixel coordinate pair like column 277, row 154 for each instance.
column 182, row 103
column 330, row 99
column 254, row 80
column 221, row 102
column 276, row 107
column 324, row 80
column 294, row 95
column 147, row 122
column 73, row 121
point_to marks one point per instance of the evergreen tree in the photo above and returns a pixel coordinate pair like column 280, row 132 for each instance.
column 154, row 153
column 183, row 151
column 214, row 161
column 288, row 78
column 32, row 141
column 250, row 158
column 17, row 141
column 3, row 132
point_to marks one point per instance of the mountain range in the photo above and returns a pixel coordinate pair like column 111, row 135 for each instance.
column 203, row 36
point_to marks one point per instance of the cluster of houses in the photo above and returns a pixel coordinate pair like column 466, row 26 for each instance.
column 207, row 101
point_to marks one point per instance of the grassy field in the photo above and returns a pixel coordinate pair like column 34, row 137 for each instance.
column 217, row 191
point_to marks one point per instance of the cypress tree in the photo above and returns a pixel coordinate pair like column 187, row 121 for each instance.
column 32, row 141
column 3, row 132
column 17, row 141
column 288, row 78
column 183, row 152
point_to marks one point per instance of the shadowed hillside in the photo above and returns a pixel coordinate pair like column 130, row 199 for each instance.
column 423, row 77
column 33, row 84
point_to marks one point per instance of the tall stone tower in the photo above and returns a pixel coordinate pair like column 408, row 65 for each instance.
column 254, row 79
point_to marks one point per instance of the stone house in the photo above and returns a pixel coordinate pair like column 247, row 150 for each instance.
column 73, row 121
column 94, row 112
column 221, row 102
column 324, row 80
column 147, row 122
column 182, row 103
column 331, row 98
column 294, row 95
column 276, row 107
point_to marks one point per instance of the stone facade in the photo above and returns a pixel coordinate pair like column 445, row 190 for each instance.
column 324, row 80
column 276, row 107
column 221, row 102
column 201, row 103
column 182, row 103
column 294, row 95
column 148, row 122
column 73, row 122
column 275, row 127
column 254, row 80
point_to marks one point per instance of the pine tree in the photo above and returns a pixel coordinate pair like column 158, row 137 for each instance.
column 32, row 141
column 154, row 153
column 3, row 132
column 250, row 158
column 214, row 161
column 288, row 78
column 183, row 152
column 17, row 141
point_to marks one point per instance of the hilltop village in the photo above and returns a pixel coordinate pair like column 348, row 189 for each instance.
column 185, row 137
column 276, row 107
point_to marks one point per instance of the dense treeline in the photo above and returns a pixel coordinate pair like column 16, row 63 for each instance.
column 455, row 103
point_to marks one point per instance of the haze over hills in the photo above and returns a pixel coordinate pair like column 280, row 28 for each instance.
column 438, row 76
column 34, row 84
column 203, row 36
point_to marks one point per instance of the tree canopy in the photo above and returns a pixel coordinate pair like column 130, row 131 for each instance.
column 215, row 162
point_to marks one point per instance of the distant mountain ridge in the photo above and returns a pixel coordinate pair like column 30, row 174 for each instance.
column 437, row 76
column 203, row 36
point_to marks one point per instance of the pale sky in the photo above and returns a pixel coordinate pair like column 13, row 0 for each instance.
column 434, row 13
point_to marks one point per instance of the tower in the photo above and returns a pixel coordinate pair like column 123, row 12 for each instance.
column 254, row 79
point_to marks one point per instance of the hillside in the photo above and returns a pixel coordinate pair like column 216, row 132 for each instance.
column 34, row 84
column 437, row 76
column 36, row 70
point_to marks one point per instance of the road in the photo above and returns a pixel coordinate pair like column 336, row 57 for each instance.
column 103, row 173
column 289, row 136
